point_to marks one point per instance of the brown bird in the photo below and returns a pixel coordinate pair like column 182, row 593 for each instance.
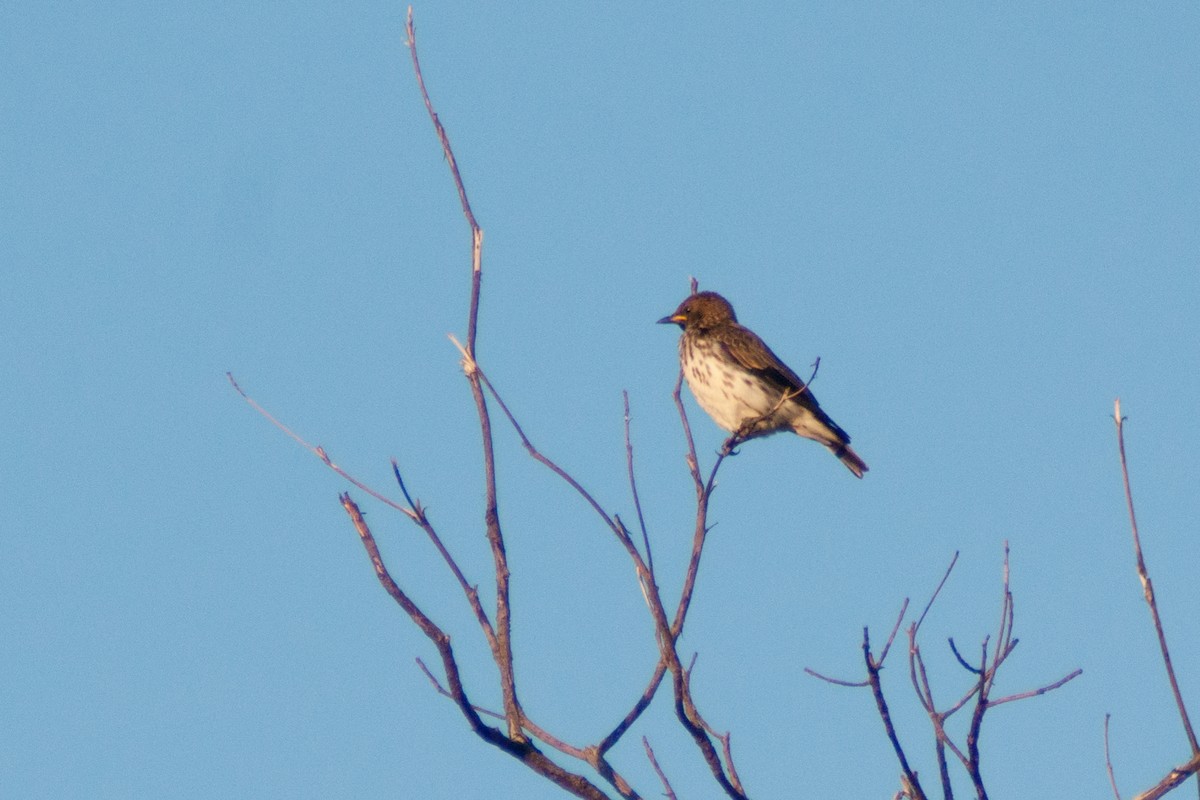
column 744, row 386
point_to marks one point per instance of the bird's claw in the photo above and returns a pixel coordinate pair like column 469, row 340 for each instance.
column 731, row 445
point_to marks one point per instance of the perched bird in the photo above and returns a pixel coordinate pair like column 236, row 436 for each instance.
column 744, row 386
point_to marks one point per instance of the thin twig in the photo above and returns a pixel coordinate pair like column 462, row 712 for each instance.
column 471, row 592
column 581, row 753
column 916, row 672
column 727, row 749
column 1004, row 641
column 637, row 503
column 936, row 592
column 704, row 490
column 836, row 681
column 320, row 453
column 411, row 43
column 879, row 661
column 413, row 511
column 649, row 590
column 521, row 749
column 924, row 689
column 1038, row 692
column 1148, row 586
column 692, row 461
column 448, row 153
column 873, row 667
column 689, row 717
column 534, row 452
column 725, row 774
column 962, row 661
column 508, row 686
column 981, row 705
column 437, row 685
column 613, row 522
column 667, row 790
column 892, row 636
column 1112, row 780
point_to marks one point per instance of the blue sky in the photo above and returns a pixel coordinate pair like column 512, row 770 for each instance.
column 983, row 220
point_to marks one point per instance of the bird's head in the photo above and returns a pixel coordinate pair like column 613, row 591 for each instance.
column 700, row 311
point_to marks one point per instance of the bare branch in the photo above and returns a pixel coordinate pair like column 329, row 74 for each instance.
column 836, row 681
column 588, row 755
column 512, row 706
column 909, row 776
column 521, row 749
column 878, row 662
column 703, row 492
column 924, row 691
column 1173, row 779
column 320, row 453
column 977, row 723
column 936, row 592
column 448, row 152
column 471, row 592
column 637, row 503
column 537, row 454
column 413, row 511
column 692, row 461
column 642, row 703
column 1039, row 691
column 437, row 685
column 704, row 489
column 686, row 710
column 892, row 636
column 694, row 724
column 668, row 791
column 1112, row 780
column 1148, row 586
column 962, row 661
column 727, row 749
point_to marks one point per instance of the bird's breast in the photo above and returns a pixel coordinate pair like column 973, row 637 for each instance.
column 727, row 391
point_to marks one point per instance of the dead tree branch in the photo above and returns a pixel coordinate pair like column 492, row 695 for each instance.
column 668, row 792
column 495, row 536
column 520, row 749
column 667, row 632
column 1181, row 773
column 984, row 671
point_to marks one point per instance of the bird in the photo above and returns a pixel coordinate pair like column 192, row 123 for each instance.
column 743, row 385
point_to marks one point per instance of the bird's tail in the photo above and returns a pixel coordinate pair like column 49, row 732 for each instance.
column 817, row 425
column 848, row 457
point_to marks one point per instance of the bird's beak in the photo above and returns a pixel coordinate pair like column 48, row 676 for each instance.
column 674, row 318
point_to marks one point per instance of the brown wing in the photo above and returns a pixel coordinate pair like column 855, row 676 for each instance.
column 744, row 346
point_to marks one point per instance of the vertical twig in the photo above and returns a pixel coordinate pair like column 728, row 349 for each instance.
column 668, row 792
column 981, row 704
column 1112, row 779
column 909, row 776
column 637, row 502
column 504, row 658
column 1148, row 586
column 444, row 139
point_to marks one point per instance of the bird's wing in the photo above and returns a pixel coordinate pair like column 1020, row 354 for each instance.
column 744, row 346
column 751, row 352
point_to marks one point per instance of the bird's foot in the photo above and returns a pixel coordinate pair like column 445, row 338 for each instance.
column 731, row 445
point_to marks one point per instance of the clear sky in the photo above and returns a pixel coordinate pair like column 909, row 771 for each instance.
column 984, row 220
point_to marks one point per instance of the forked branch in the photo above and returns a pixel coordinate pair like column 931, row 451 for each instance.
column 993, row 654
